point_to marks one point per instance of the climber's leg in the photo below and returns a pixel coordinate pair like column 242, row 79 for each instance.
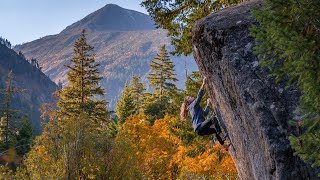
column 205, row 129
column 216, row 125
column 219, row 139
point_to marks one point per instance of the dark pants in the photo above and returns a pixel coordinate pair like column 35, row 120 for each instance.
column 206, row 129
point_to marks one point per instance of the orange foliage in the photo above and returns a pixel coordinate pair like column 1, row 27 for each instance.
column 163, row 156
column 214, row 162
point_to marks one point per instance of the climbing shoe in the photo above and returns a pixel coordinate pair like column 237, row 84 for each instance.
column 226, row 147
column 225, row 137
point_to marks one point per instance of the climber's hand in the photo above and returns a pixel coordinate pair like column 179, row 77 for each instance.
column 204, row 80
column 208, row 101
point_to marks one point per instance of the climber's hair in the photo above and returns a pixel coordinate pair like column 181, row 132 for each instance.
column 185, row 106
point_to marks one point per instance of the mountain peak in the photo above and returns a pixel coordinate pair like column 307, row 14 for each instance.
column 112, row 17
column 112, row 6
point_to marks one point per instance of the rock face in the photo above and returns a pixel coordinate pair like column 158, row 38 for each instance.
column 255, row 109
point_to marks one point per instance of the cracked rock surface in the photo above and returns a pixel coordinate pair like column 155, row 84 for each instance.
column 255, row 109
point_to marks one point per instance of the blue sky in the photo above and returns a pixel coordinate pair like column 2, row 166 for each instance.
column 27, row 20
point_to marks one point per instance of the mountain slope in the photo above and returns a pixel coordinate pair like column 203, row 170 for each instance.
column 34, row 86
column 113, row 18
column 125, row 42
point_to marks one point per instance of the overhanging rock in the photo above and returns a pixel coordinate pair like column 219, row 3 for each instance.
column 255, row 109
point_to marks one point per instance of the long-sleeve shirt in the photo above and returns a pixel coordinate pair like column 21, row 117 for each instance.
column 196, row 111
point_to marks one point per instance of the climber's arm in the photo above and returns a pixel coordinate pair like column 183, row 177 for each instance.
column 201, row 92
column 206, row 111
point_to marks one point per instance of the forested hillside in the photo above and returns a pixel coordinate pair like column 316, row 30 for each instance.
column 33, row 87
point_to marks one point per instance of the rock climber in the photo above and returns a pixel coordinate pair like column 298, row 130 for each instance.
column 200, row 125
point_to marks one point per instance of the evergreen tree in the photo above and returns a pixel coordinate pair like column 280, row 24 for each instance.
column 22, row 55
column 82, row 119
column 125, row 105
column 84, row 86
column 34, row 62
column 161, row 77
column 5, row 42
column 162, row 72
column 155, row 107
column 60, row 85
column 288, row 43
column 6, row 112
column 178, row 17
column 137, row 89
column 24, row 137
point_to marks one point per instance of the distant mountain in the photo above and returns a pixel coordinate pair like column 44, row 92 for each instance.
column 113, row 18
column 125, row 42
column 35, row 88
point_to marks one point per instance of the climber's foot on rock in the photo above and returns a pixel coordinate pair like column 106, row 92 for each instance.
column 226, row 146
column 224, row 136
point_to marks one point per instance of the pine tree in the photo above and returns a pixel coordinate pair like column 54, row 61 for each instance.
column 161, row 78
column 60, row 85
column 5, row 42
column 6, row 112
column 288, row 43
column 125, row 105
column 137, row 89
column 155, row 107
column 80, row 113
column 24, row 137
column 162, row 72
column 84, row 86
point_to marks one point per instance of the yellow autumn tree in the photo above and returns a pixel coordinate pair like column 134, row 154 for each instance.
column 162, row 155
column 154, row 145
column 44, row 161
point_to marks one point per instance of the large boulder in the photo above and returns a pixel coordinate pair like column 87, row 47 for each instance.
column 255, row 109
